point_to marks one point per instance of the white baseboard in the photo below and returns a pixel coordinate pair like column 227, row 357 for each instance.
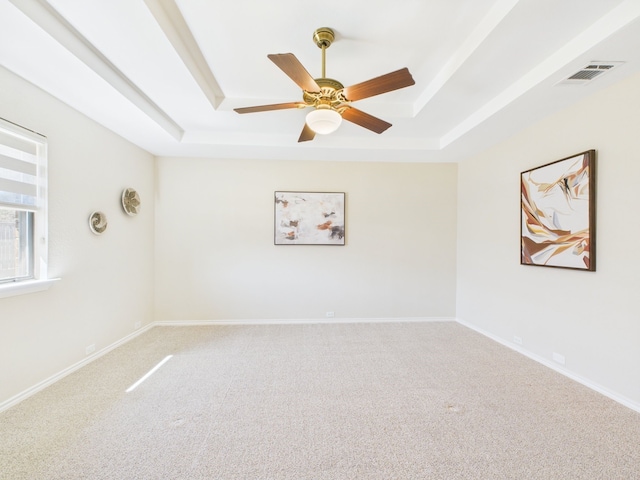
column 69, row 370
column 54, row 378
column 300, row 321
column 183, row 323
column 627, row 402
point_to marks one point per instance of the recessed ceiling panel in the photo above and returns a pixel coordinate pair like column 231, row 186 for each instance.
column 481, row 68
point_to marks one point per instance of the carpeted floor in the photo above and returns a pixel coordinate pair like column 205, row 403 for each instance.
column 340, row 401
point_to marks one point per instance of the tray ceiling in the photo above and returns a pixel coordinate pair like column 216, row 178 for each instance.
column 166, row 74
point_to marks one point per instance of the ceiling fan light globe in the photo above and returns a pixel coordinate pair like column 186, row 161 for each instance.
column 324, row 121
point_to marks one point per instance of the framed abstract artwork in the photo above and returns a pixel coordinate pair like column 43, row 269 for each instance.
column 558, row 213
column 309, row 218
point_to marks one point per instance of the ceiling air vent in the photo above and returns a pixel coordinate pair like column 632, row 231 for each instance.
column 589, row 72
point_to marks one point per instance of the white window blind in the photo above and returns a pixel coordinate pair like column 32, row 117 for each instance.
column 19, row 165
column 23, row 204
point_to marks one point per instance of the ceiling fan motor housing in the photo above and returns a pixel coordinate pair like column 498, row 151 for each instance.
column 330, row 94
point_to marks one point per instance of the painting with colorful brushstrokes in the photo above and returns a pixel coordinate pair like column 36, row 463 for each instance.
column 309, row 218
column 558, row 214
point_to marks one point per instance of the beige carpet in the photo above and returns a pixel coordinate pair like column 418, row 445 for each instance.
column 342, row 401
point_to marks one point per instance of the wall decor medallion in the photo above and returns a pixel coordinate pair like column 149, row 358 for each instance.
column 558, row 213
column 98, row 222
column 130, row 201
column 309, row 218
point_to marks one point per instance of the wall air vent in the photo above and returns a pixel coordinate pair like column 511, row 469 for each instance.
column 589, row 72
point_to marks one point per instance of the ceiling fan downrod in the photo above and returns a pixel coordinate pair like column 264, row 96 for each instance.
column 323, row 37
column 328, row 97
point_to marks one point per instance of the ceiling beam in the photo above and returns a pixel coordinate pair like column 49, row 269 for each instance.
column 479, row 34
column 175, row 28
column 45, row 16
column 618, row 18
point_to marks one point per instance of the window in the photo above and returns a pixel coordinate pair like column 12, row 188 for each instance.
column 23, row 204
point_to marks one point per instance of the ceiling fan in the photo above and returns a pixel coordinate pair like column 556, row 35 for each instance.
column 331, row 101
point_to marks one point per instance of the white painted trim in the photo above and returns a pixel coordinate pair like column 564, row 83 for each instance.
column 627, row 402
column 174, row 26
column 300, row 321
column 58, row 376
column 612, row 22
column 76, row 366
column 28, row 286
column 67, row 371
column 42, row 13
column 476, row 38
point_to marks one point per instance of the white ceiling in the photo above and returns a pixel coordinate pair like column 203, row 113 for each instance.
column 166, row 74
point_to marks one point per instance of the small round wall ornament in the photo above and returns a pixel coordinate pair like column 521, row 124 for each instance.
column 98, row 222
column 130, row 201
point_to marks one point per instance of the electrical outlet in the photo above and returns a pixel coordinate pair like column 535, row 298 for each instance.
column 90, row 349
column 330, row 314
column 558, row 358
column 517, row 340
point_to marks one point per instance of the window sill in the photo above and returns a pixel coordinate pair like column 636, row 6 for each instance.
column 22, row 288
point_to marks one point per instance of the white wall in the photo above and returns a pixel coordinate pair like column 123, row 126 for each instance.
column 216, row 258
column 106, row 281
column 592, row 318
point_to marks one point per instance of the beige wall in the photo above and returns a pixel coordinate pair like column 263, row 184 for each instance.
column 216, row 258
column 106, row 284
column 591, row 318
column 211, row 225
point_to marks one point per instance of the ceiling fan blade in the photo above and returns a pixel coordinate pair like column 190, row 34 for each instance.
column 266, row 108
column 289, row 64
column 383, row 84
column 365, row 120
column 307, row 134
